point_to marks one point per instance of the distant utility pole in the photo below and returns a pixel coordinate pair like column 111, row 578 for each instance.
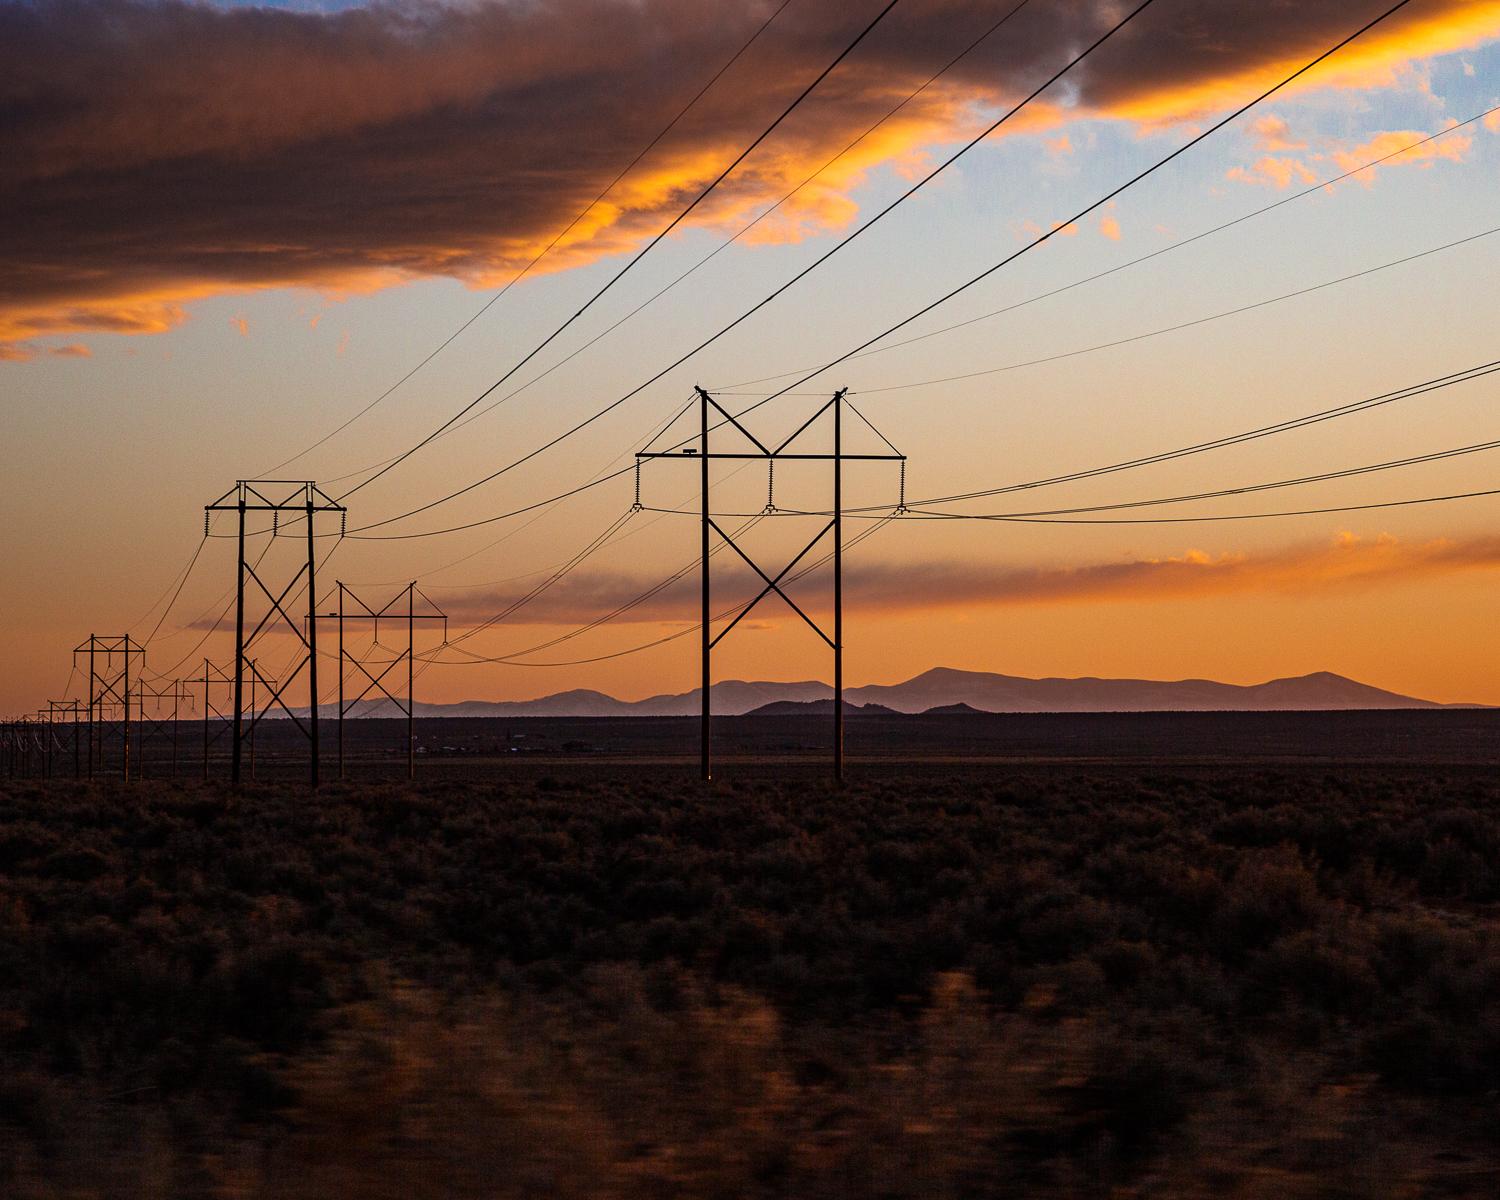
column 20, row 739
column 66, row 708
column 47, row 734
column 276, row 496
column 162, row 720
column 391, row 613
column 109, row 662
column 704, row 455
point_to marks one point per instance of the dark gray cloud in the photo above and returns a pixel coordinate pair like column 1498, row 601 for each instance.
column 152, row 153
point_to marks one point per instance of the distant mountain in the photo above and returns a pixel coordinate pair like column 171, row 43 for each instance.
column 806, row 708
column 946, row 689
column 953, row 710
column 1008, row 693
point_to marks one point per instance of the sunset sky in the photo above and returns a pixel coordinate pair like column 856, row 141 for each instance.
column 231, row 228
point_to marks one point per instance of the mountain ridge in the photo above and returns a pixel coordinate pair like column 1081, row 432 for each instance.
column 950, row 687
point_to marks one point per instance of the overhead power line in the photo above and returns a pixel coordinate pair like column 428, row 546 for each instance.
column 1313, row 189
column 1298, row 481
column 1099, row 203
column 870, row 513
column 643, row 251
column 920, row 515
column 1467, row 375
column 817, row 262
column 1238, row 310
column 1083, row 212
column 994, row 28
column 514, row 659
column 549, row 247
column 1414, row 389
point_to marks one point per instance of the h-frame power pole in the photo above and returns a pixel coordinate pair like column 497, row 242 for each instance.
column 390, row 612
column 215, row 676
column 69, row 708
column 834, row 528
column 305, row 499
column 165, row 702
column 109, row 662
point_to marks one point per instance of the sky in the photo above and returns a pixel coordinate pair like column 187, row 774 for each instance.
column 237, row 234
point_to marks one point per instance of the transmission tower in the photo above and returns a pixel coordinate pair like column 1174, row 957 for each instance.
column 352, row 608
column 165, row 707
column 70, row 708
column 276, row 496
column 217, row 717
column 704, row 456
column 109, row 661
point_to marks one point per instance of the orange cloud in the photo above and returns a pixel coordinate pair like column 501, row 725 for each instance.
column 1273, row 136
column 1109, row 227
column 156, row 154
column 1492, row 122
column 1345, row 562
column 1451, row 149
column 1381, row 58
column 241, row 325
column 75, row 350
column 1279, row 173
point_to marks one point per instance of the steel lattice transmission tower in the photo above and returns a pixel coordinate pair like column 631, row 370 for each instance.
column 704, row 455
column 304, row 499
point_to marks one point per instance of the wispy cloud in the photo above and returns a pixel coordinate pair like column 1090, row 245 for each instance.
column 1453, row 148
column 1347, row 562
column 1279, row 172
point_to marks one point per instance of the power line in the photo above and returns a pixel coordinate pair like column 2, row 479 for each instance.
column 1057, row 291
column 677, row 575
column 646, row 249
column 1218, row 316
column 228, row 599
column 922, row 515
column 1084, row 212
column 1299, row 481
column 562, row 571
column 720, row 616
column 181, row 583
column 1131, row 182
column 177, row 580
column 1313, row 189
column 722, row 246
column 1315, row 418
column 550, row 246
column 824, row 257
column 1353, row 407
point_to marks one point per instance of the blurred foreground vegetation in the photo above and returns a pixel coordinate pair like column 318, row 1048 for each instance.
column 936, row 983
